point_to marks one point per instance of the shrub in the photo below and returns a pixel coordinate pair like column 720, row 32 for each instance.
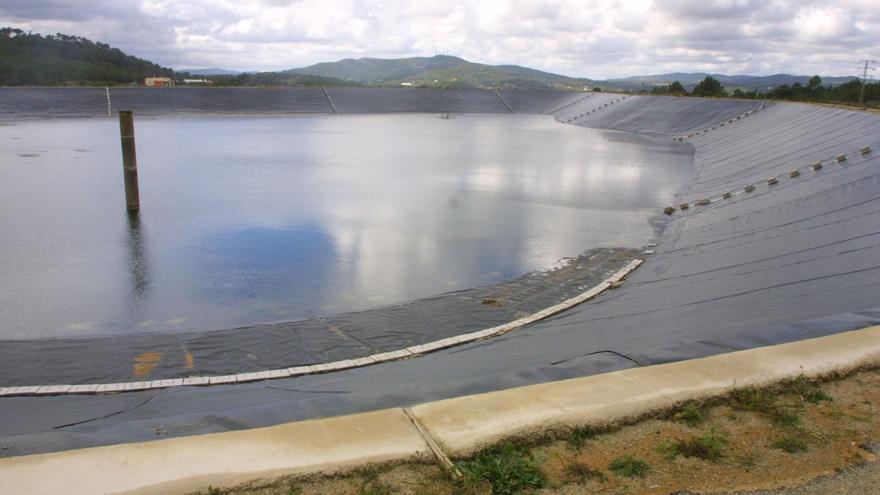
column 580, row 472
column 692, row 413
column 709, row 447
column 792, row 445
column 629, row 467
column 508, row 469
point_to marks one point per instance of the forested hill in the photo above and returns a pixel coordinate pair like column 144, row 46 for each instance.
column 34, row 60
column 441, row 71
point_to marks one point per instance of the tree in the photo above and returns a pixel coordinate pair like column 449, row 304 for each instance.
column 709, row 87
column 673, row 89
column 677, row 89
column 814, row 82
column 32, row 59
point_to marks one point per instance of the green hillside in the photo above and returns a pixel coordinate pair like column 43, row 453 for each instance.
column 34, row 60
column 441, row 71
column 378, row 71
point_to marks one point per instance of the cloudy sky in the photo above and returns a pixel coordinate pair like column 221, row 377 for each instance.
column 590, row 38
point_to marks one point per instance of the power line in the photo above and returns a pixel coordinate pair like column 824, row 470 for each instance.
column 865, row 69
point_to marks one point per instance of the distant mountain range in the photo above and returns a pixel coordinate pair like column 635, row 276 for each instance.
column 446, row 71
column 213, row 71
column 690, row 79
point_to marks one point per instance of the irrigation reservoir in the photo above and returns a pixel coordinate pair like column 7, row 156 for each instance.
column 385, row 230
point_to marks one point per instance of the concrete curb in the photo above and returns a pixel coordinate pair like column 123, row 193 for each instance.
column 461, row 425
column 100, row 388
column 466, row 424
column 186, row 464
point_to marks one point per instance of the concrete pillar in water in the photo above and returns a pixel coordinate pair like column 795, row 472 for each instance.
column 129, row 160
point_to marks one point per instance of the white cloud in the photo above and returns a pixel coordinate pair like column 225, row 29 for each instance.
column 592, row 38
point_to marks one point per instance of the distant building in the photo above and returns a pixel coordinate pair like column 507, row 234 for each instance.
column 197, row 82
column 158, row 82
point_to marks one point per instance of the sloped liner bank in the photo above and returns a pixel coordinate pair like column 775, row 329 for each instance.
column 416, row 350
column 102, row 364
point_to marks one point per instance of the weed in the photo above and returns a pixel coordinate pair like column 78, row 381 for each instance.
column 785, row 415
column 668, row 450
column 581, row 434
column 214, row 491
column 580, row 472
column 629, row 467
column 692, row 413
column 709, row 447
column 374, row 488
column 764, row 401
column 809, row 391
column 792, row 445
column 754, row 400
column 294, row 490
column 508, row 469
column 748, row 461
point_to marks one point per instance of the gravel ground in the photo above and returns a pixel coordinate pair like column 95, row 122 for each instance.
column 861, row 480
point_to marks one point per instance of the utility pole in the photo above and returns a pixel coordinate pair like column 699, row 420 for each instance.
column 865, row 70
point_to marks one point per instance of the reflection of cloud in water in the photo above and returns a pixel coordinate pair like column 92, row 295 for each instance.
column 259, row 219
column 255, row 262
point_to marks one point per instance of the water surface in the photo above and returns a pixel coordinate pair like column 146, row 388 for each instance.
column 257, row 219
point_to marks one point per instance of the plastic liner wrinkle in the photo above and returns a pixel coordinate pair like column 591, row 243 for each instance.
column 110, row 415
column 283, row 389
column 616, row 353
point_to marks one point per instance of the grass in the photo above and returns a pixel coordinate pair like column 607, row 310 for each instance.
column 754, row 400
column 709, row 446
column 629, row 467
column 792, row 445
column 580, row 472
column 509, row 470
column 580, row 434
column 371, row 484
column 523, row 465
column 747, row 461
column 786, row 415
column 375, row 488
column 692, row 413
column 809, row 391
column 766, row 402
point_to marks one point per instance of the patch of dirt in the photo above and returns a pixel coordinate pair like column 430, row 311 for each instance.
column 836, row 433
column 405, row 479
column 839, row 434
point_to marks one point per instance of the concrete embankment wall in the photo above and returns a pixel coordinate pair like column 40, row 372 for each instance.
column 19, row 103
